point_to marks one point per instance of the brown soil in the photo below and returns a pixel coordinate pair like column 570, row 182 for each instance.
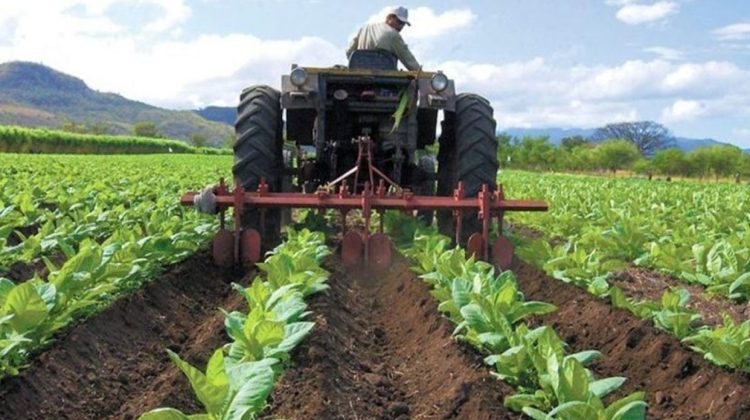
column 641, row 283
column 14, row 239
column 381, row 350
column 20, row 271
column 679, row 383
column 115, row 364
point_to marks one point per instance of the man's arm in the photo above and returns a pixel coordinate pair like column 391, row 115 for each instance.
column 401, row 51
column 352, row 45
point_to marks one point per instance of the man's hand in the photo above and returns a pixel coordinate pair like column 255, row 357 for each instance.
column 205, row 201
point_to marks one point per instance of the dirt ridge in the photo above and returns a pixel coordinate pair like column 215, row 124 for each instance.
column 679, row 383
column 115, row 365
column 381, row 350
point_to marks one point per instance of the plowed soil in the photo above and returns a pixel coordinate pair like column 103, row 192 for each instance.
column 381, row 350
column 641, row 283
column 115, row 364
column 679, row 383
column 20, row 271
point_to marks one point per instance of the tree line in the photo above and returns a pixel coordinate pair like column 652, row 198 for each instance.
column 143, row 129
column 643, row 147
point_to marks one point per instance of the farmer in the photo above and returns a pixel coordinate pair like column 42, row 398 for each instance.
column 386, row 36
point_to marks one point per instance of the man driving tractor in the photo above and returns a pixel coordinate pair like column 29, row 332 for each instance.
column 386, row 36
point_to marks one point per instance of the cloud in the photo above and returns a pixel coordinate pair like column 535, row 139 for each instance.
column 535, row 93
column 427, row 24
column 89, row 39
column 734, row 32
column 40, row 18
column 148, row 63
column 742, row 134
column 665, row 53
column 683, row 110
column 633, row 13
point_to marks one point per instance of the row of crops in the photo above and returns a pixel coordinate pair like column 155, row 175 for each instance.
column 102, row 226
column 240, row 375
column 490, row 313
column 488, row 308
column 41, row 140
column 697, row 233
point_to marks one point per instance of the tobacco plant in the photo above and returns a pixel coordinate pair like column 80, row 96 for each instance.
column 726, row 345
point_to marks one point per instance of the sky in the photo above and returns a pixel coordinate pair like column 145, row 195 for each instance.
column 541, row 63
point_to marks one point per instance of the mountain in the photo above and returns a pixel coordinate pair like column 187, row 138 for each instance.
column 687, row 144
column 221, row 114
column 34, row 95
column 557, row 134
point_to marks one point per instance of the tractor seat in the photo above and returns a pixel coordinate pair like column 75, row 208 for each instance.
column 373, row 59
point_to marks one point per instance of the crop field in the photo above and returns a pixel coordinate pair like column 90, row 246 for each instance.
column 627, row 300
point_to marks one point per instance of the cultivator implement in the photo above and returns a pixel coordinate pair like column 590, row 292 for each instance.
column 368, row 247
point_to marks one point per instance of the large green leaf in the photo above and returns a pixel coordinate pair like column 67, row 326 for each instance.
column 28, row 308
column 5, row 287
column 627, row 406
column 294, row 333
column 574, row 410
column 164, row 414
column 603, row 387
column 574, row 381
column 726, row 354
column 250, row 385
column 211, row 395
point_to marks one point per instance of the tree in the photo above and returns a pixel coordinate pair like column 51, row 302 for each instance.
column 570, row 143
column 643, row 167
column 504, row 150
column 719, row 161
column 229, row 141
column 73, row 127
column 99, row 127
column 536, row 153
column 145, row 129
column 198, row 140
column 584, row 157
column 647, row 136
column 745, row 169
column 616, row 154
column 672, row 161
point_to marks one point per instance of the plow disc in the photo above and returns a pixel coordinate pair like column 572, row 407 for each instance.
column 352, row 249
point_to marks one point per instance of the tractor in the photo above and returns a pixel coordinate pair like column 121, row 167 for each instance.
column 361, row 134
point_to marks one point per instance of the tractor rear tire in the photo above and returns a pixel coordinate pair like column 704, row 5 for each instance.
column 426, row 186
column 467, row 153
column 258, row 154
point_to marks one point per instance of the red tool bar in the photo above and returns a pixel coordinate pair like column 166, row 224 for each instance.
column 352, row 202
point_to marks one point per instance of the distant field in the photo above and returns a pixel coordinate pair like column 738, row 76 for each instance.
column 40, row 140
column 699, row 232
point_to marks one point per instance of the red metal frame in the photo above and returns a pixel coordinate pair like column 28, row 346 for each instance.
column 246, row 244
column 487, row 204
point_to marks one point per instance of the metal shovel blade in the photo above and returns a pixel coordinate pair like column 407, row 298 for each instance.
column 475, row 246
column 351, row 249
column 502, row 252
column 249, row 247
column 381, row 252
column 222, row 248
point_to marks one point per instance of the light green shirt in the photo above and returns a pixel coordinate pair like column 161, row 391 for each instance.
column 381, row 36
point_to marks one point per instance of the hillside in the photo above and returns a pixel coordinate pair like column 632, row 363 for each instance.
column 221, row 114
column 34, row 95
